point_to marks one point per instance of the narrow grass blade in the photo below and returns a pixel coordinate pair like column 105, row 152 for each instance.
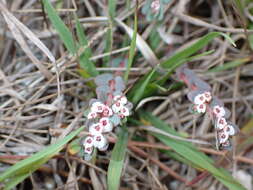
column 85, row 62
column 29, row 165
column 229, row 65
column 117, row 161
column 61, row 28
column 132, row 46
column 189, row 152
column 140, row 91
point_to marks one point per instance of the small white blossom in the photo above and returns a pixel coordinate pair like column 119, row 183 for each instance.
column 207, row 96
column 106, row 124
column 107, row 111
column 219, row 111
column 223, row 136
column 116, row 107
column 124, row 111
column 230, row 130
column 200, row 108
column 221, row 123
column 100, row 141
column 121, row 99
column 155, row 5
column 97, row 107
column 199, row 99
column 95, row 128
column 92, row 115
column 88, row 144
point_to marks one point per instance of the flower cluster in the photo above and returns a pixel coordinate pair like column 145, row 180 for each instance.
column 108, row 111
column 203, row 101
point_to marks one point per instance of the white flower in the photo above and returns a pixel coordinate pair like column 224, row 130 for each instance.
column 106, row 124
column 230, row 130
column 97, row 107
column 207, row 96
column 107, row 111
column 100, row 141
column 121, row 99
column 200, row 108
column 199, row 99
column 219, row 111
column 95, row 128
column 92, row 115
column 116, row 107
column 155, row 6
column 221, row 123
column 223, row 136
column 124, row 111
column 88, row 144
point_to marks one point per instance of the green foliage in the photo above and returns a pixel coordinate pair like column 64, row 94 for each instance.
column 117, row 160
column 22, row 169
column 190, row 153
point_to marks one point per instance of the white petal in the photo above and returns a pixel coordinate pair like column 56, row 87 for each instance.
column 208, row 96
column 95, row 129
column 100, row 141
column 106, row 124
column 230, row 130
column 92, row 115
column 221, row 123
column 97, row 107
column 199, row 99
column 219, row 111
column 201, row 108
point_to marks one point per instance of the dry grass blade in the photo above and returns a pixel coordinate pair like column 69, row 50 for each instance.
column 141, row 44
column 20, row 39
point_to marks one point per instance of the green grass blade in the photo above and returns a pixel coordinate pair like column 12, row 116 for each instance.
column 85, row 62
column 229, row 65
column 60, row 27
column 132, row 46
column 190, row 152
column 117, row 161
column 140, row 91
column 32, row 163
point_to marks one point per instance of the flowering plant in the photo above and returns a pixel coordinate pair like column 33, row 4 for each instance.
column 203, row 101
column 109, row 110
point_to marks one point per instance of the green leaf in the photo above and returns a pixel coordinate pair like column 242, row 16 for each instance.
column 132, row 46
column 117, row 161
column 18, row 172
column 112, row 8
column 60, row 27
column 229, row 65
column 189, row 152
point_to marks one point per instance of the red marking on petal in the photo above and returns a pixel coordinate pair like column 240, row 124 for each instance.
column 217, row 110
column 97, row 128
column 89, row 141
column 98, row 138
